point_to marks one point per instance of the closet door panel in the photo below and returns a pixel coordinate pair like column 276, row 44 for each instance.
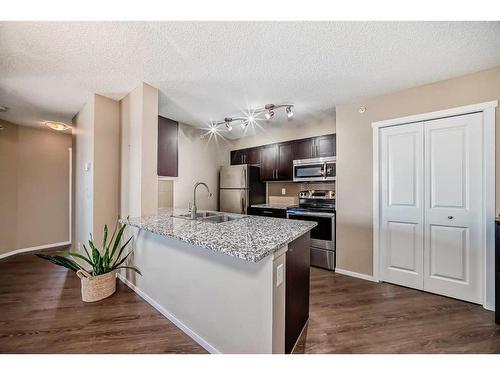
column 453, row 207
column 401, row 236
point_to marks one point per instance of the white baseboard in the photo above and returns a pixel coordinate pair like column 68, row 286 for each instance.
column 356, row 274
column 34, row 248
column 167, row 314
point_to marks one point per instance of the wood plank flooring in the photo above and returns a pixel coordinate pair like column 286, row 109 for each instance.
column 349, row 315
column 41, row 312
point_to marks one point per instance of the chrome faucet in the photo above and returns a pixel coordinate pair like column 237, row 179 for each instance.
column 194, row 209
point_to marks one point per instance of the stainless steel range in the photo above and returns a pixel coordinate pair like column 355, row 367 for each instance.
column 318, row 206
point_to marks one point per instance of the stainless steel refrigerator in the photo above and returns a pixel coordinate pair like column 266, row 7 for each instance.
column 239, row 188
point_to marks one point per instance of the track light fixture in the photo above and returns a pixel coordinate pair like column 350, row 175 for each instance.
column 250, row 118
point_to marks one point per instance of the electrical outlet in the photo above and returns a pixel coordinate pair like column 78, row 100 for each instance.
column 79, row 246
column 279, row 275
column 283, row 191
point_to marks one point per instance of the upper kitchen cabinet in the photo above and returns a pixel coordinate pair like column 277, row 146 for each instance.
column 246, row 156
column 303, row 148
column 284, row 161
column 324, row 146
column 168, row 138
column 268, row 162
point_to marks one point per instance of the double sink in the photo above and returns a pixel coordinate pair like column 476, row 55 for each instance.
column 210, row 217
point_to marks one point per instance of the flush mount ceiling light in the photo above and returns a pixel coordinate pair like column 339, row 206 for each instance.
column 3, row 108
column 59, row 126
column 251, row 116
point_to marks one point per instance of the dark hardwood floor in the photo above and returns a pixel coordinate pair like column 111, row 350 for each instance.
column 41, row 312
column 349, row 315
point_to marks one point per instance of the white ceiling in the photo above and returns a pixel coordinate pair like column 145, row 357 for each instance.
column 208, row 70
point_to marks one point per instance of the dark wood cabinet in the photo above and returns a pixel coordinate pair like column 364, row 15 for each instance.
column 284, row 161
column 276, row 160
column 297, row 289
column 268, row 162
column 168, row 146
column 497, row 271
column 269, row 212
column 303, row 149
column 253, row 155
column 325, row 146
column 237, row 157
column 246, row 156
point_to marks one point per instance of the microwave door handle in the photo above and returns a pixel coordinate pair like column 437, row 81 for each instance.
column 323, row 170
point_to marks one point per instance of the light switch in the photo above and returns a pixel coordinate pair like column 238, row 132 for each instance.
column 87, row 167
column 283, row 191
column 279, row 275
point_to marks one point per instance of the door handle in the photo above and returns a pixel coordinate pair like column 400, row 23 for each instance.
column 277, row 174
column 450, row 217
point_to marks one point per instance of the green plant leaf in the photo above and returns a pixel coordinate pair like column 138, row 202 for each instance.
column 123, row 260
column 60, row 261
column 117, row 241
column 80, row 256
column 120, row 252
column 105, row 237
column 86, row 251
column 132, row 268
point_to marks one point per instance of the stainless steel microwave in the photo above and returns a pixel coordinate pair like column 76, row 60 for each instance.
column 316, row 169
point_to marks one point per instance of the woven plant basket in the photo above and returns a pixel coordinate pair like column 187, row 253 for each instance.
column 96, row 288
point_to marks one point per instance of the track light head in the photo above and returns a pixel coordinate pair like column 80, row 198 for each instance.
column 228, row 126
column 269, row 114
column 289, row 111
column 244, row 124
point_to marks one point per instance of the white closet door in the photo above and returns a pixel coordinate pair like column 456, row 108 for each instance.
column 453, row 206
column 402, row 201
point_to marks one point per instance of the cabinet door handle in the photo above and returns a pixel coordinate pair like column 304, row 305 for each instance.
column 277, row 174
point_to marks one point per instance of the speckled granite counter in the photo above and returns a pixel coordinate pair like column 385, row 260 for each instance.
column 251, row 238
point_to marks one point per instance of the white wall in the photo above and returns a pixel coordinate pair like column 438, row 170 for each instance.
column 199, row 160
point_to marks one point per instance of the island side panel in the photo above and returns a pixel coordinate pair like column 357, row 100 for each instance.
column 225, row 301
column 297, row 289
column 279, row 287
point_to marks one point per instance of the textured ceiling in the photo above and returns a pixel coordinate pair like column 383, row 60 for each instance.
column 207, row 70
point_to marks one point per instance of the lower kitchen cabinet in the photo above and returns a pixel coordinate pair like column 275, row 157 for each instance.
column 269, row 212
column 297, row 289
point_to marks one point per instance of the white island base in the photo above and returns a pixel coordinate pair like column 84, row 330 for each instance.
column 226, row 304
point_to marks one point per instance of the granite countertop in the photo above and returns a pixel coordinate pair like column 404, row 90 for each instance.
column 251, row 238
column 276, row 206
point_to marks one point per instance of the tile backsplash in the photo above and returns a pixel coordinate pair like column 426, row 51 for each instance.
column 292, row 189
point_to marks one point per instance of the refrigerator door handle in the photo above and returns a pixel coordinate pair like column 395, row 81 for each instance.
column 245, row 184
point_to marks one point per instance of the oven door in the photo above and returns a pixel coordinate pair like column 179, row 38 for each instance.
column 323, row 235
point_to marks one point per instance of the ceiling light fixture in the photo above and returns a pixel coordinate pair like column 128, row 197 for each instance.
column 251, row 117
column 59, row 126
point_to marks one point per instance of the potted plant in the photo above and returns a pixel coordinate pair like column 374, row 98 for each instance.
column 98, row 281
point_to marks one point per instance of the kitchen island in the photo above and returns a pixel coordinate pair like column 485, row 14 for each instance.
column 236, row 284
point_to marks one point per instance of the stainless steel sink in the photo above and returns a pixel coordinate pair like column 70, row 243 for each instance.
column 210, row 217
column 221, row 218
column 199, row 215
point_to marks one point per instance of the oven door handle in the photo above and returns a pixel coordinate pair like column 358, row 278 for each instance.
column 318, row 214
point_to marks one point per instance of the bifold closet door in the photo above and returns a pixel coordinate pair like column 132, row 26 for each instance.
column 402, row 202
column 453, row 206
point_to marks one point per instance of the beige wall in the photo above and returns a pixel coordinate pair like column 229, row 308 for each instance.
column 106, row 189
column 97, row 190
column 83, row 151
column 139, row 143
column 200, row 159
column 287, row 132
column 34, row 187
column 354, row 152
